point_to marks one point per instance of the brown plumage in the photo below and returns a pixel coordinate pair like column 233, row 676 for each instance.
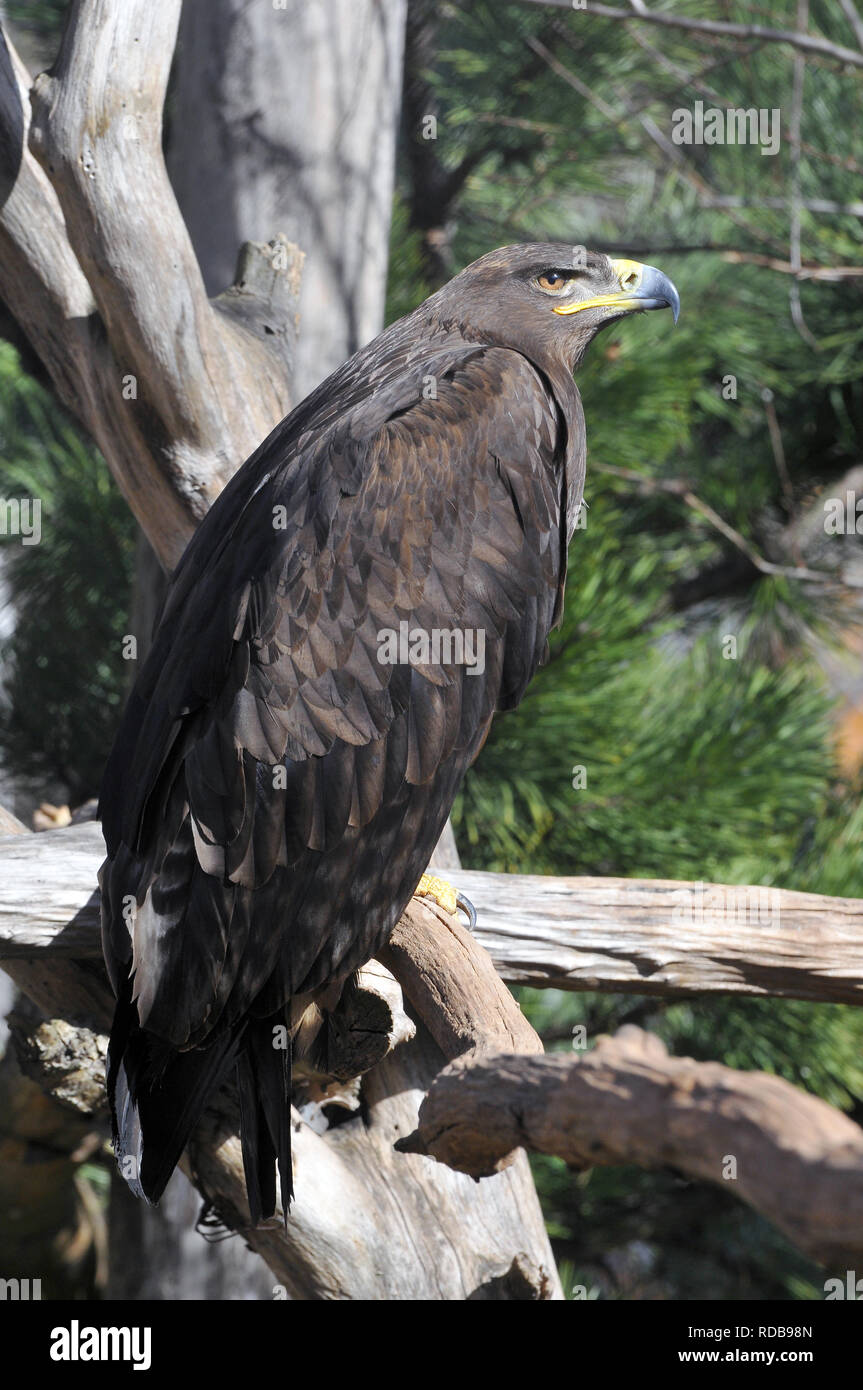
column 276, row 790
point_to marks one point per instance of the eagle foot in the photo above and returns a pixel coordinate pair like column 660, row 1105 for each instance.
column 447, row 897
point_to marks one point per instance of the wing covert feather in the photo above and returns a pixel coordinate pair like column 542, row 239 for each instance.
column 312, row 772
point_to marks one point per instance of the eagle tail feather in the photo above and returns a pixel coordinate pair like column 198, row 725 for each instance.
column 264, row 1081
column 157, row 1096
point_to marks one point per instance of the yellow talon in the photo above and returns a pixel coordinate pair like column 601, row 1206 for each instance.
column 442, row 892
column 446, row 897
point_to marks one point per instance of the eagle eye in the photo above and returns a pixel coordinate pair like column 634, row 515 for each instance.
column 554, row 281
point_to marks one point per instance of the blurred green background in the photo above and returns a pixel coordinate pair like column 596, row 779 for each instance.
column 702, row 758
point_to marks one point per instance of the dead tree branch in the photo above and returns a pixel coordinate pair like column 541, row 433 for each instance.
column 650, row 938
column 638, row 936
column 99, row 271
column 368, row 1223
column 640, row 14
column 788, row 1154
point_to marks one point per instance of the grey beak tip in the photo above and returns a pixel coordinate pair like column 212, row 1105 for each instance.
column 656, row 285
column 672, row 299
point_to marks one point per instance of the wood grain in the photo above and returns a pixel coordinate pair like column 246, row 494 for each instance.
column 639, row 936
column 369, row 1222
column 98, row 268
column 786, row 1153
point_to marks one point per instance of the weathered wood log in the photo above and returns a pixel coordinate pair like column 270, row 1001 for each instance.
column 369, row 1223
column 661, row 937
column 75, row 987
column 786, row 1153
column 427, row 952
column 638, row 936
column 50, row 1227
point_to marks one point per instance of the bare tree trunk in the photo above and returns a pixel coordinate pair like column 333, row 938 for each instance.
column 287, row 117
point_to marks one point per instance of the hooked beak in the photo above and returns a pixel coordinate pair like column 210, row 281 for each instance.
column 641, row 287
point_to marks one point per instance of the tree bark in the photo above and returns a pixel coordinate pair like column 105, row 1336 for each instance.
column 368, row 1223
column 98, row 269
column 286, row 117
column 618, row 935
column 788, row 1154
